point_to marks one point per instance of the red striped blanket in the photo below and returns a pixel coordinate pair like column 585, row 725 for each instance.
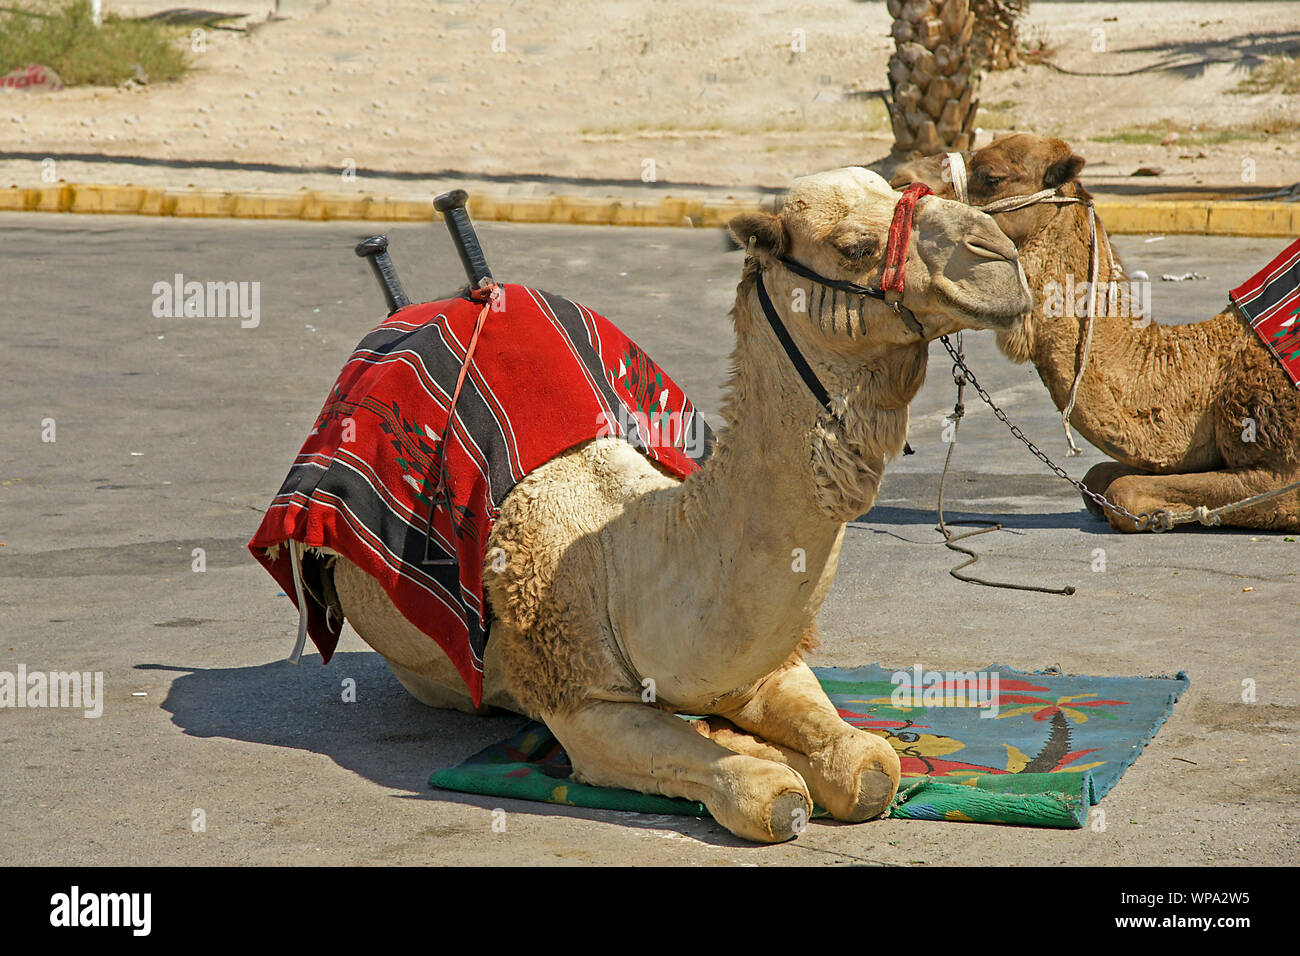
column 1270, row 300
column 546, row 375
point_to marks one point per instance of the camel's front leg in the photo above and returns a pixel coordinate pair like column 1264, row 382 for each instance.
column 1099, row 478
column 852, row 773
column 642, row 748
column 1213, row 489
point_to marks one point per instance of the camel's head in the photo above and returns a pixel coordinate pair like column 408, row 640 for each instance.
column 1017, row 165
column 960, row 271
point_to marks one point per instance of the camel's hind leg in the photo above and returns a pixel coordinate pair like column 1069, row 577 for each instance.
column 1213, row 489
column 852, row 773
column 415, row 660
column 642, row 748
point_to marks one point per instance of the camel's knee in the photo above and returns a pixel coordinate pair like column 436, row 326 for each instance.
column 1099, row 479
column 1127, row 492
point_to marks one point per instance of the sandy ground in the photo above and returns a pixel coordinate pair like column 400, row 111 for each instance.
column 172, row 434
column 598, row 95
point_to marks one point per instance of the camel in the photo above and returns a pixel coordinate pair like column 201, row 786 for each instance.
column 1197, row 415
column 627, row 596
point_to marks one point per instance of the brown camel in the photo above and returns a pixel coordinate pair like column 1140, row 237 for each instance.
column 1194, row 415
column 627, row 596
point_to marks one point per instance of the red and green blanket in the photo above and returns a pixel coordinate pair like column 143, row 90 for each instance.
column 546, row 375
column 1270, row 301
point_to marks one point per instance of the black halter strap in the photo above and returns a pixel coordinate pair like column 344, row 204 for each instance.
column 791, row 350
column 799, row 269
column 783, row 334
column 892, row 299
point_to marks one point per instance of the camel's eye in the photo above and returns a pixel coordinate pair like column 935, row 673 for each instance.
column 988, row 180
column 859, row 248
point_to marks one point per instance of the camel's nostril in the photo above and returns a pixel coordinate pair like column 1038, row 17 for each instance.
column 991, row 246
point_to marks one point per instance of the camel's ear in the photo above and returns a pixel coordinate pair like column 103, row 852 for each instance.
column 1062, row 171
column 766, row 230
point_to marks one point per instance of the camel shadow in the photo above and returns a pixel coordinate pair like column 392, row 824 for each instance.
column 384, row 735
column 1081, row 521
column 893, row 516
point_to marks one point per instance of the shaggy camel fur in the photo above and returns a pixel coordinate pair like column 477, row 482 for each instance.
column 628, row 597
column 1197, row 414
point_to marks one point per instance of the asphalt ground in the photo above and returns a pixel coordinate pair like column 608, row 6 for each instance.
column 171, row 434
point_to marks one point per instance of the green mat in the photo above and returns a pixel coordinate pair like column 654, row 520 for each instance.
column 1055, row 747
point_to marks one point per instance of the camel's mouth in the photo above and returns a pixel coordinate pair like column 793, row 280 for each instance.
column 974, row 267
column 980, row 247
column 1001, row 312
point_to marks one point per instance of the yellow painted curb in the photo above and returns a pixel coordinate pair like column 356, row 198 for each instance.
column 1208, row 217
column 1189, row 217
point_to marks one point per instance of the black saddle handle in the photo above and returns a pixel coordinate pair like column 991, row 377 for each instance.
column 375, row 249
column 456, row 216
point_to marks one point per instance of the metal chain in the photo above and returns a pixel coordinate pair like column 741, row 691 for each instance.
column 1143, row 522
column 959, row 376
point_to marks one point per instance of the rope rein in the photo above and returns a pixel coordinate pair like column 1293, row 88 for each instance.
column 949, row 539
column 489, row 293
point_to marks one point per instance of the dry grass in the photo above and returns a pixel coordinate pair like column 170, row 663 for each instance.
column 999, row 115
column 1154, row 133
column 1279, row 74
column 61, row 34
column 1035, row 47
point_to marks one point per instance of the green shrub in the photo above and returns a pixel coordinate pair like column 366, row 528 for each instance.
column 62, row 35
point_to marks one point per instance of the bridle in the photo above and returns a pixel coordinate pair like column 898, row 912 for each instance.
column 890, row 291
column 958, row 177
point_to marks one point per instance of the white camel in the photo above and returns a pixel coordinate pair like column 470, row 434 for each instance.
column 628, row 597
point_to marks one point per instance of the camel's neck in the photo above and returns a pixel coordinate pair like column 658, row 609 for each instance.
column 1146, row 387
column 755, row 535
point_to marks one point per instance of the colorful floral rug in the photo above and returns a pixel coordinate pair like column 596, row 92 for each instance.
column 1050, row 747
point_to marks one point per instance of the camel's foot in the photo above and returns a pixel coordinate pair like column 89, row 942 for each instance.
column 852, row 773
column 1099, row 479
column 854, row 778
column 863, row 767
column 641, row 748
column 766, row 803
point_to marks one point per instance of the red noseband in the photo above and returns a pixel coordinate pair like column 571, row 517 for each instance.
column 900, row 235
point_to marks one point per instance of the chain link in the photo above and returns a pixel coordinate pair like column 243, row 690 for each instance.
column 1144, row 522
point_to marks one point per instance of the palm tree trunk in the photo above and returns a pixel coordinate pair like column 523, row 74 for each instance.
column 996, row 42
column 1057, row 746
column 931, row 78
